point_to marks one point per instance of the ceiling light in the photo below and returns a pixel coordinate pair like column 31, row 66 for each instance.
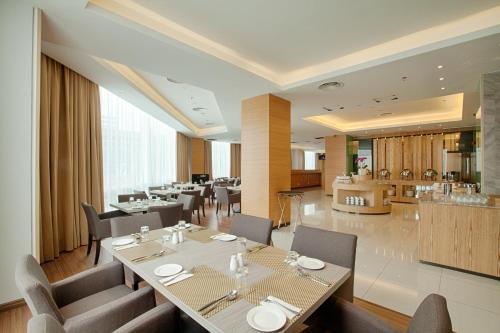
column 327, row 109
column 320, row 137
column 385, row 114
column 331, row 85
column 441, row 78
column 440, row 66
column 198, row 109
column 404, row 78
column 443, row 88
column 209, row 124
column 211, row 139
column 173, row 81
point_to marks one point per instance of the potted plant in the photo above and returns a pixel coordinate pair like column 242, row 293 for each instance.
column 362, row 166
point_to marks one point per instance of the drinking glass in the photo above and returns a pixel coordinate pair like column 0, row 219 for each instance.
column 154, row 197
column 241, row 243
column 241, row 277
column 291, row 258
column 131, row 201
column 144, row 231
column 165, row 240
column 182, row 224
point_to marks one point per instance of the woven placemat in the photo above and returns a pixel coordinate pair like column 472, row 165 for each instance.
column 202, row 236
column 204, row 286
column 269, row 257
column 155, row 234
column 288, row 286
column 144, row 249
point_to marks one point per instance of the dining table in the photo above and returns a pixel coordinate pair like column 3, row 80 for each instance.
column 140, row 207
column 208, row 276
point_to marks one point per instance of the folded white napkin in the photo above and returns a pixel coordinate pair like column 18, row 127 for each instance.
column 179, row 279
column 169, row 229
column 119, row 248
column 283, row 306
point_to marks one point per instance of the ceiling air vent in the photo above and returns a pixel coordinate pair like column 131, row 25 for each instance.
column 320, row 137
column 198, row 109
column 211, row 139
column 331, row 85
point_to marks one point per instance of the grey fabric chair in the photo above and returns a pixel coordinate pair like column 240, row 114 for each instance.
column 98, row 226
column 96, row 300
column 219, row 184
column 170, row 214
column 187, row 202
column 162, row 318
column 196, row 204
column 341, row 316
column 330, row 246
column 127, row 225
column 126, row 197
column 251, row 227
column 223, row 197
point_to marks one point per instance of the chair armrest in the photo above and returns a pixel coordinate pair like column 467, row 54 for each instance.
column 111, row 316
column 88, row 282
column 154, row 321
column 347, row 317
column 114, row 213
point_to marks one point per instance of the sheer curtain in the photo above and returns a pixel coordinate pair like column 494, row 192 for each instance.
column 309, row 160
column 138, row 150
column 221, row 159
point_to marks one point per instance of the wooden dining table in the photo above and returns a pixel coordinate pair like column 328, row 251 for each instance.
column 268, row 275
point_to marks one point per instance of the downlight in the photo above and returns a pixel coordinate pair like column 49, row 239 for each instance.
column 331, row 85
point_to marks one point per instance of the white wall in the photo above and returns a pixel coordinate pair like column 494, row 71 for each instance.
column 16, row 32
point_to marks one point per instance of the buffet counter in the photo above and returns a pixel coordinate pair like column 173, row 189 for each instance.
column 460, row 236
column 373, row 193
column 305, row 178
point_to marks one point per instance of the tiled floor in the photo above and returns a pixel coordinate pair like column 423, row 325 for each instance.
column 388, row 272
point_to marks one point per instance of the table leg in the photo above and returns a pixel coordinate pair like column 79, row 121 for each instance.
column 282, row 207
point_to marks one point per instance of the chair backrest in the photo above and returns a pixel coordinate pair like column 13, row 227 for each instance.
column 44, row 324
column 186, row 200
column 334, row 247
column 92, row 218
column 126, row 225
column 170, row 214
column 35, row 288
column 208, row 190
column 196, row 194
column 431, row 316
column 222, row 194
column 126, row 197
column 251, row 227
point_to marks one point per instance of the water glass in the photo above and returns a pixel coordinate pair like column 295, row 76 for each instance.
column 291, row 258
column 165, row 240
column 144, row 231
column 241, row 277
column 241, row 243
column 154, row 197
column 182, row 224
column 131, row 201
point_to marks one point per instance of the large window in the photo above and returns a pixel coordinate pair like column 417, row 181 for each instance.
column 221, row 159
column 138, row 150
column 309, row 160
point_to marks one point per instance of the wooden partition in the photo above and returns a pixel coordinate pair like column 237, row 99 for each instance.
column 336, row 160
column 416, row 153
column 265, row 155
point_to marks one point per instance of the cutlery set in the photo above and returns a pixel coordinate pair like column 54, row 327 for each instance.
column 139, row 259
column 313, row 277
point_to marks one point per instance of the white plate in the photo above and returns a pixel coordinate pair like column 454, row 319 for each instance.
column 123, row 241
column 266, row 318
column 226, row 238
column 167, row 270
column 310, row 263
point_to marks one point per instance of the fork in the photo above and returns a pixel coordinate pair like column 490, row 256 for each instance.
column 313, row 277
column 159, row 254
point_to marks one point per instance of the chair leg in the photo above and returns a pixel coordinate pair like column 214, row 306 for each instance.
column 228, row 209
column 97, row 251
column 203, row 207
column 89, row 245
column 217, row 210
column 198, row 211
column 135, row 285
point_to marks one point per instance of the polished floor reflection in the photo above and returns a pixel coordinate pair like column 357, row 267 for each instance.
column 388, row 272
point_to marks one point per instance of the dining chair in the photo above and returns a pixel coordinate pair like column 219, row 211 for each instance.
column 334, row 247
column 254, row 228
column 223, row 197
column 127, row 225
column 162, row 318
column 432, row 316
column 188, row 206
column 196, row 205
column 98, row 226
column 220, row 184
column 207, row 194
column 95, row 300
column 126, row 197
column 169, row 214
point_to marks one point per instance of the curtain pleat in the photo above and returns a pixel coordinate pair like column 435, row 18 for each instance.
column 183, row 157
column 235, row 160
column 70, row 157
column 208, row 158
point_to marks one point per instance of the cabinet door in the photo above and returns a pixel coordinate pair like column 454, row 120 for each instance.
column 425, row 232
column 485, row 240
column 443, row 235
column 464, row 226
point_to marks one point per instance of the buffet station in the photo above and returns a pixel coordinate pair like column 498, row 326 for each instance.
column 363, row 197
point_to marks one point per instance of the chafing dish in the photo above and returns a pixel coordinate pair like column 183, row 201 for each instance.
column 383, row 174
column 430, row 174
column 406, row 174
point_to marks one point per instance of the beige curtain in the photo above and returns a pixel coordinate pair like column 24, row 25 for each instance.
column 208, row 158
column 183, row 157
column 235, row 160
column 297, row 159
column 70, row 157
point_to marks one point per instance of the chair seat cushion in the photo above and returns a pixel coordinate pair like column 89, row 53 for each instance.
column 93, row 301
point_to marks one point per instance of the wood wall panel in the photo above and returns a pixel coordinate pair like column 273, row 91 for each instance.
column 336, row 160
column 197, row 156
column 485, row 247
column 437, row 149
column 375, row 158
column 265, row 155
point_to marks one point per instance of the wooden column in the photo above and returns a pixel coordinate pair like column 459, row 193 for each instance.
column 265, row 155
column 197, row 156
column 336, row 160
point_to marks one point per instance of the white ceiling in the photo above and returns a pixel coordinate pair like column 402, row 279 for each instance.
column 283, row 37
